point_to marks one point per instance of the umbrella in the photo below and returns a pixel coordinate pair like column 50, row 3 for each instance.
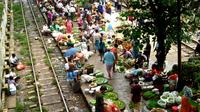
column 71, row 52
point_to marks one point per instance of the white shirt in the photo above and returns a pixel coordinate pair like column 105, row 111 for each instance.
column 96, row 36
column 66, row 66
column 13, row 60
column 13, row 74
column 60, row 5
column 72, row 9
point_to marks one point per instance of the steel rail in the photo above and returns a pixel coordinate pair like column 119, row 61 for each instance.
column 51, row 65
column 31, row 58
column 187, row 46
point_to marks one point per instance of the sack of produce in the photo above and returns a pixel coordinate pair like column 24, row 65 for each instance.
column 164, row 97
column 166, row 93
column 162, row 103
column 170, row 100
column 174, row 93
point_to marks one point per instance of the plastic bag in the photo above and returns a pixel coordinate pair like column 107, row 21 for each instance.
column 20, row 66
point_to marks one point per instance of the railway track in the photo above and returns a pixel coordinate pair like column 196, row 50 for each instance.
column 48, row 72
column 189, row 48
column 76, row 101
column 47, row 87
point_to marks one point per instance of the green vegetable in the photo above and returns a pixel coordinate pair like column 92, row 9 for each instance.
column 120, row 63
column 149, row 95
column 131, row 105
column 101, row 80
column 193, row 103
column 120, row 104
column 121, row 68
column 100, row 74
column 152, row 104
column 111, row 96
column 108, row 87
column 92, row 101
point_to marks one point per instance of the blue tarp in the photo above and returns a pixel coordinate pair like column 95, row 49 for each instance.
column 71, row 52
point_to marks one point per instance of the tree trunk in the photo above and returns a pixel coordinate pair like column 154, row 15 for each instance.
column 161, row 54
column 161, row 36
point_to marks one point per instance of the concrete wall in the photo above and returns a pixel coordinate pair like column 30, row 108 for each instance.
column 3, row 38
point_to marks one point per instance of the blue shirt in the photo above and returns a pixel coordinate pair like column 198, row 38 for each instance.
column 109, row 58
column 71, row 76
column 100, row 8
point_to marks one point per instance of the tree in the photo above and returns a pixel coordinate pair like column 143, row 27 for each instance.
column 158, row 18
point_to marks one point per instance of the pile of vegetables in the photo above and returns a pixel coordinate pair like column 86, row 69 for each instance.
column 152, row 104
column 110, row 95
column 108, row 87
column 149, row 95
column 101, row 80
column 120, row 104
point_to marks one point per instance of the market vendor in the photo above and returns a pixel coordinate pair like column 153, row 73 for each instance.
column 134, row 72
column 126, row 54
column 115, row 52
column 14, row 61
column 136, row 91
column 99, row 106
column 71, row 71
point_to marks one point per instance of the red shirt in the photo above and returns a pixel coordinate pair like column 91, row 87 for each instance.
column 173, row 77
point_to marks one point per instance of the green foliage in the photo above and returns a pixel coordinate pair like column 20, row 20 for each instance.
column 46, row 61
column 160, row 22
column 18, row 18
column 50, row 50
column 191, row 70
column 29, row 77
column 38, row 109
column 28, row 63
column 20, row 107
column 1, row 9
column 24, row 51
